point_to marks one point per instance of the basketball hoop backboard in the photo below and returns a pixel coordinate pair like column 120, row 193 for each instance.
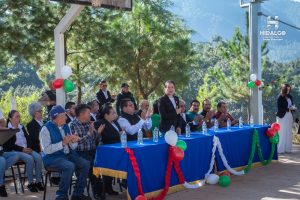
column 111, row 4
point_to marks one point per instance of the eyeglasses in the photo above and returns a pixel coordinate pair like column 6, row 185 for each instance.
column 39, row 111
column 104, row 85
column 182, row 106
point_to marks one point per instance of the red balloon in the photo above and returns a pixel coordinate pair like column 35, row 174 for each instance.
column 57, row 83
column 257, row 82
column 270, row 132
column 141, row 197
column 178, row 153
column 275, row 126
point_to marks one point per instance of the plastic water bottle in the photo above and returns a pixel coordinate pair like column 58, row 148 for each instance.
column 172, row 128
column 251, row 121
column 147, row 123
column 160, row 134
column 123, row 139
column 140, row 137
column 228, row 124
column 216, row 125
column 155, row 134
column 204, row 128
column 241, row 122
column 187, row 130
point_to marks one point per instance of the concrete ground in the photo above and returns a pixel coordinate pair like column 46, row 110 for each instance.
column 279, row 180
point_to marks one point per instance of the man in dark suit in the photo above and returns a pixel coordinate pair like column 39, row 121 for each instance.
column 169, row 108
column 103, row 95
column 125, row 94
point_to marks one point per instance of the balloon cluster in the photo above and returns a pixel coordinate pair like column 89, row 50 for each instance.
column 66, row 72
column 178, row 146
column 272, row 133
column 254, row 81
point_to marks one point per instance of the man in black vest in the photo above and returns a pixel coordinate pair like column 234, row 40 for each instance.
column 169, row 108
column 125, row 94
column 103, row 95
column 132, row 122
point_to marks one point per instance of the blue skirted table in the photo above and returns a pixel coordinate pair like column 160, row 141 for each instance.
column 112, row 160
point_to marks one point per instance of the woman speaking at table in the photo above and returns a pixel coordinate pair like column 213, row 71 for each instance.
column 285, row 119
column 169, row 108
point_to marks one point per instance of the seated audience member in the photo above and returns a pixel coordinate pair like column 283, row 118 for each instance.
column 185, row 119
column 34, row 126
column 70, row 111
column 110, row 135
column 222, row 115
column 207, row 113
column 89, row 139
column 20, row 143
column 144, row 105
column 58, row 145
column 7, row 159
column 124, row 94
column 131, row 122
column 155, row 117
column 94, row 105
column 194, row 109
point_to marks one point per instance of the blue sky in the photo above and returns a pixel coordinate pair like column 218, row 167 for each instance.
column 220, row 17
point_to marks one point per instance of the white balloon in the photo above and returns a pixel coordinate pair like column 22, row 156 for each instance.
column 66, row 72
column 212, row 179
column 171, row 137
column 253, row 77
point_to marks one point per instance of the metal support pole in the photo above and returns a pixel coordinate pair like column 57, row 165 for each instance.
column 59, row 31
column 256, row 109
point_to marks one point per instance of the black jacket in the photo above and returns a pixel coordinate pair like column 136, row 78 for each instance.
column 10, row 145
column 102, row 99
column 33, row 128
column 182, row 123
column 122, row 96
column 109, row 135
column 168, row 113
column 282, row 105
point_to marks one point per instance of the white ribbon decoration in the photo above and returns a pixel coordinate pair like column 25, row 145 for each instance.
column 211, row 166
column 224, row 160
column 216, row 144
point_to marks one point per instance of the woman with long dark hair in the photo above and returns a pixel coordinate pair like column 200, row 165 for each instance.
column 285, row 119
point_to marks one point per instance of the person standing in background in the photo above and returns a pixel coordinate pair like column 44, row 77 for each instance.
column 285, row 119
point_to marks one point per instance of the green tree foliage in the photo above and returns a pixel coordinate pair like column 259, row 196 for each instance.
column 23, row 100
column 144, row 47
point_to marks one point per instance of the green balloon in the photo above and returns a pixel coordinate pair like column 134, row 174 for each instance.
column 274, row 139
column 68, row 86
column 251, row 84
column 181, row 144
column 224, row 181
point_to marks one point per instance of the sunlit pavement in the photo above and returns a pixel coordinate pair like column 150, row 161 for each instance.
column 279, row 180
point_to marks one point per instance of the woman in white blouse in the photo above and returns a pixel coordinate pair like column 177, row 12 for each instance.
column 20, row 143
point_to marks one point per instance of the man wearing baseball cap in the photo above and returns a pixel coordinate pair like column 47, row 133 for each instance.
column 124, row 94
column 58, row 146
